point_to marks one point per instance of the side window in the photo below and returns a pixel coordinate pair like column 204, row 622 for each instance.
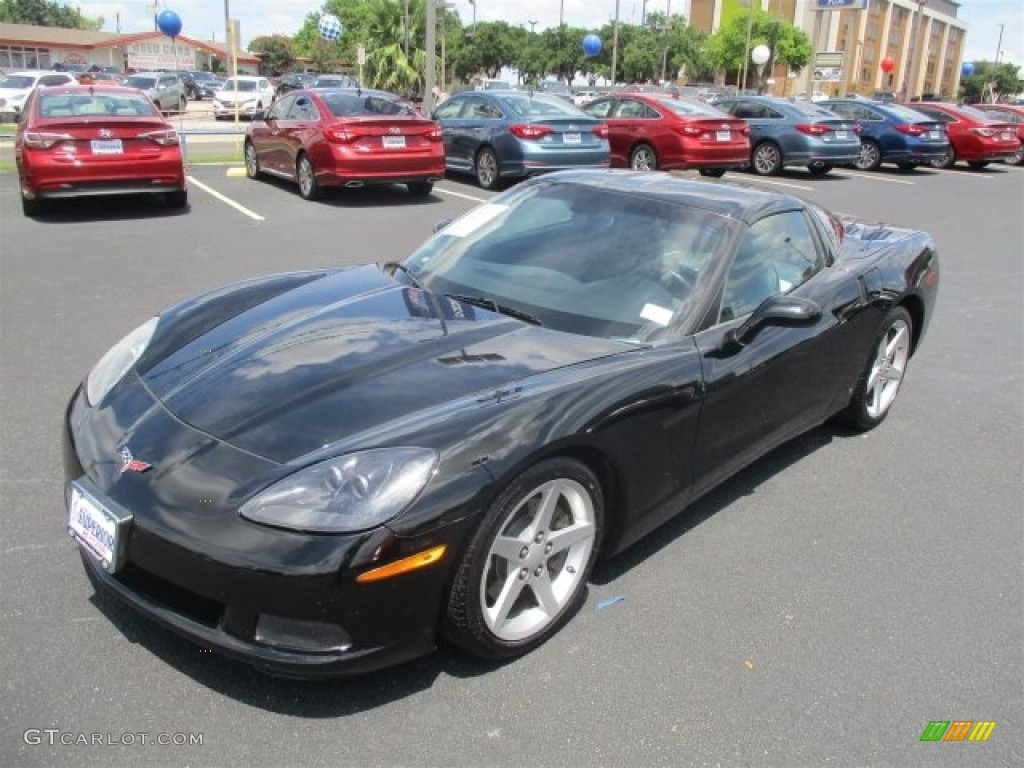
column 280, row 108
column 450, row 109
column 870, row 114
column 748, row 110
column 303, row 109
column 599, row 109
column 771, row 113
column 631, row 108
column 843, row 110
column 777, row 254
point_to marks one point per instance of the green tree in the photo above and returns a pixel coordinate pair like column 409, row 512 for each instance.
column 727, row 49
column 990, row 80
column 45, row 14
column 277, row 53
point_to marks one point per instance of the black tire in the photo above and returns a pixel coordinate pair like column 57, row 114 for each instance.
column 880, row 380
column 420, row 188
column 33, row 207
column 177, row 199
column 870, row 156
column 252, row 162
column 511, row 564
column 948, row 160
column 766, row 159
column 714, row 173
column 977, row 165
column 305, row 174
column 1018, row 157
column 486, row 168
column 643, row 158
column 182, row 104
column 906, row 167
column 819, row 169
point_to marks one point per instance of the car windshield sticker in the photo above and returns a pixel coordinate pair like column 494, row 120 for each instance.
column 656, row 314
column 474, row 220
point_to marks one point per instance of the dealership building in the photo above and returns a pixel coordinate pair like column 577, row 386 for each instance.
column 852, row 38
column 23, row 46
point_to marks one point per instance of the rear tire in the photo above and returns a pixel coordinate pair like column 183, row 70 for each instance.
column 880, row 381
column 486, row 169
column 870, row 156
column 32, row 207
column 252, row 163
column 766, row 159
column 420, row 188
column 643, row 158
column 177, row 199
column 977, row 165
column 947, row 161
column 306, row 175
column 906, row 167
column 714, row 173
column 819, row 169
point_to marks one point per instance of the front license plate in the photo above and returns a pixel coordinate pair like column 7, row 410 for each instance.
column 96, row 529
column 723, row 135
column 571, row 138
column 107, row 147
column 394, row 142
column 842, row 135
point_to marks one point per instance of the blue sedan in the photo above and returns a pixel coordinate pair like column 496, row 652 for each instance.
column 891, row 133
column 785, row 132
column 499, row 135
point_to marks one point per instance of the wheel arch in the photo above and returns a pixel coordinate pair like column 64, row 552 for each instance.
column 915, row 307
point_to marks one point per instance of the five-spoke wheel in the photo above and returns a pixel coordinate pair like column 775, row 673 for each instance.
column 880, row 382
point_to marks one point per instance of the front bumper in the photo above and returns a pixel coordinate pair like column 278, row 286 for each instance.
column 285, row 602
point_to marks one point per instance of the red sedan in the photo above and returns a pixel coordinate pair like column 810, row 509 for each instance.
column 331, row 137
column 1010, row 113
column 650, row 131
column 79, row 140
column 974, row 136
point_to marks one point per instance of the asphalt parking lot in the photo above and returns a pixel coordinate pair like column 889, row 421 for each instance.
column 821, row 608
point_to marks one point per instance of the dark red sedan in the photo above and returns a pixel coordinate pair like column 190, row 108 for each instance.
column 975, row 137
column 79, row 140
column 651, row 131
column 1010, row 113
column 345, row 137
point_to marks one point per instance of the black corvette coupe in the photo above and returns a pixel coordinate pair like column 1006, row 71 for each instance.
column 319, row 472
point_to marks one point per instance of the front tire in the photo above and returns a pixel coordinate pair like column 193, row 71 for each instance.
column 486, row 169
column 977, row 165
column 177, row 199
column 643, row 158
column 766, row 159
column 525, row 571
column 306, row 175
column 32, row 207
column 714, row 173
column 252, row 163
column 880, row 382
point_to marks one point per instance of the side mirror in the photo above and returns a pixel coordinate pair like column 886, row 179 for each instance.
column 789, row 311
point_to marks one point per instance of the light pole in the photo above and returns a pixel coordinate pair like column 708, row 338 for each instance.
column 668, row 29
column 444, row 6
column 746, row 48
column 999, row 45
column 615, row 43
column 760, row 56
column 429, row 75
column 533, row 25
column 405, row 29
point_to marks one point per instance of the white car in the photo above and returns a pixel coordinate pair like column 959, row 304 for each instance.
column 245, row 94
column 16, row 86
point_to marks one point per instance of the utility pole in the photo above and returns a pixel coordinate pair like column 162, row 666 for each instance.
column 999, row 45
column 615, row 43
column 668, row 30
column 430, row 75
column 746, row 48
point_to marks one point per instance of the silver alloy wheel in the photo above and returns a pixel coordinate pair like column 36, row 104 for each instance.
column 887, row 369
column 307, row 178
column 643, row 159
column 767, row 159
column 1018, row 156
column 536, row 562
column 870, row 156
column 252, row 165
column 487, row 169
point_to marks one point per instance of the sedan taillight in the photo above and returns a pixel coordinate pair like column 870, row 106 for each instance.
column 529, row 131
column 165, row 138
column 988, row 133
column 601, row 131
column 42, row 140
column 435, row 134
column 340, row 135
column 812, row 129
column 911, row 129
column 686, row 129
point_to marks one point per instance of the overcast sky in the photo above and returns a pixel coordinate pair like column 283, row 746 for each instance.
column 204, row 19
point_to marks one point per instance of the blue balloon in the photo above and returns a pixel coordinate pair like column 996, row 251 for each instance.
column 591, row 44
column 967, row 69
column 169, row 23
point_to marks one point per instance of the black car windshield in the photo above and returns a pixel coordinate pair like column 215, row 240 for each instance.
column 17, row 81
column 579, row 258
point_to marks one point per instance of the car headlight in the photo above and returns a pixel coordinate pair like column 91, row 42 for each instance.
column 345, row 494
column 118, row 360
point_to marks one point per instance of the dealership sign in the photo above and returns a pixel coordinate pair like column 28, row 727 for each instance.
column 149, row 55
column 841, row 5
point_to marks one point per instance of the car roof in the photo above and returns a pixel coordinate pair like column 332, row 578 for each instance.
column 728, row 200
column 77, row 87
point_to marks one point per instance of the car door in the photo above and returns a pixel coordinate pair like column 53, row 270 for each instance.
column 618, row 139
column 298, row 131
column 785, row 378
column 449, row 117
column 636, row 123
column 481, row 122
column 266, row 137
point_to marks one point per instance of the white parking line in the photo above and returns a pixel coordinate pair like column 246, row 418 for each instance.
column 762, row 180
column 459, row 194
column 237, row 206
column 872, row 176
column 965, row 174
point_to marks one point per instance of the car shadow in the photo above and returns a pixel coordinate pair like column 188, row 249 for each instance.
column 370, row 196
column 115, row 208
column 744, row 483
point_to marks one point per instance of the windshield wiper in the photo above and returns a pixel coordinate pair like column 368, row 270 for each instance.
column 393, row 265
column 487, row 303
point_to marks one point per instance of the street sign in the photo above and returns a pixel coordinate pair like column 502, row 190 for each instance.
column 361, row 55
column 840, row 5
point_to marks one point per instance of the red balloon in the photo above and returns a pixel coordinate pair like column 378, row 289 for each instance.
column 887, row 64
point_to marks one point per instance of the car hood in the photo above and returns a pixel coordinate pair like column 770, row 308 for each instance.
column 10, row 93
column 347, row 353
column 242, row 95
